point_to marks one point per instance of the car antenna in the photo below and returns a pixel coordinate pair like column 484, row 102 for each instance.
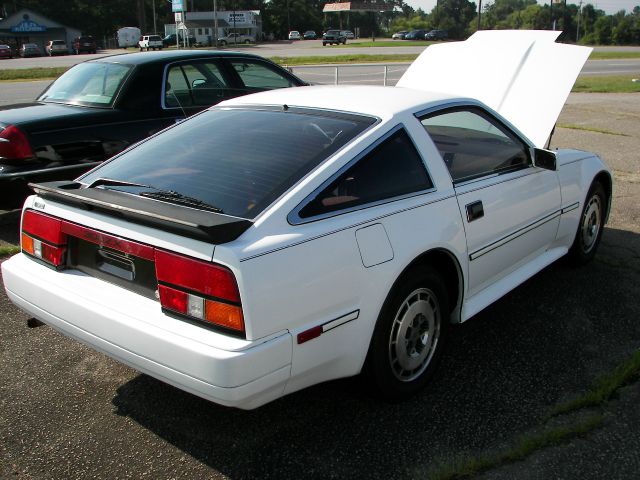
column 285, row 107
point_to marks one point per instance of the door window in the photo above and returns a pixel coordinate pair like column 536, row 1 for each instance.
column 473, row 144
column 198, row 84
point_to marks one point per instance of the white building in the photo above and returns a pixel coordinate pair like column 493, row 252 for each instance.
column 201, row 25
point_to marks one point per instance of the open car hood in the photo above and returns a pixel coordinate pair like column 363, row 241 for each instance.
column 522, row 74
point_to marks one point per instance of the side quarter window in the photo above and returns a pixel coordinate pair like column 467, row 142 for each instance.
column 391, row 169
column 259, row 76
column 474, row 144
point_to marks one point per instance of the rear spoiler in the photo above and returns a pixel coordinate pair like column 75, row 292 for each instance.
column 190, row 222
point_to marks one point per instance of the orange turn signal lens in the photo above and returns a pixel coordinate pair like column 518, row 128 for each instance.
column 27, row 244
column 225, row 315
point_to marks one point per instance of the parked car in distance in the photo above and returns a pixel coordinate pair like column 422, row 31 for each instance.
column 333, row 37
column 29, row 50
column 436, row 35
column 415, row 35
column 235, row 38
column 5, row 51
column 294, row 35
column 56, row 47
column 170, row 40
column 150, row 42
column 348, row 34
column 300, row 235
column 98, row 108
column 399, row 35
column 310, row 35
column 85, row 44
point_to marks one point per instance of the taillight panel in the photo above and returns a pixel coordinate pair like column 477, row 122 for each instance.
column 189, row 287
column 43, row 239
column 14, row 144
column 200, row 290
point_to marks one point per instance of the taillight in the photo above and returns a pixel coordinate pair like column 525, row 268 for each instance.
column 42, row 238
column 201, row 290
column 14, row 144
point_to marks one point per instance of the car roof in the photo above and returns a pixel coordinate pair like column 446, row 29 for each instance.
column 390, row 101
column 160, row 56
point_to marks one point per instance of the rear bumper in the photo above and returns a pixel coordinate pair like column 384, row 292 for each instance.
column 133, row 330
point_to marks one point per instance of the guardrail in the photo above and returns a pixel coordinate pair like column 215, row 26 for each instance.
column 360, row 74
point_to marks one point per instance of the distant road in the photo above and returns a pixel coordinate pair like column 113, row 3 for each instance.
column 17, row 92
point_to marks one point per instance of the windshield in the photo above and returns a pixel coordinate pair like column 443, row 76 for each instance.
column 236, row 160
column 92, row 84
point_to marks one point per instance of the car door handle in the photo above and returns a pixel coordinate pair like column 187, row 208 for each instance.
column 475, row 210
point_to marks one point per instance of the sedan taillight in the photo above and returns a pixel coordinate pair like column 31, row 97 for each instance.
column 14, row 144
column 197, row 289
column 42, row 238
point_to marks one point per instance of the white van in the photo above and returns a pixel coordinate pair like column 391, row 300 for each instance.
column 128, row 37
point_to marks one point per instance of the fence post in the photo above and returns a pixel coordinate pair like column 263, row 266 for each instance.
column 386, row 70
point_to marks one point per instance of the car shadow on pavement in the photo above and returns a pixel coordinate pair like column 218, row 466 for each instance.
column 502, row 372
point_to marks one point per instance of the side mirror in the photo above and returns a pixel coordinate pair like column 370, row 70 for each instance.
column 198, row 82
column 544, row 159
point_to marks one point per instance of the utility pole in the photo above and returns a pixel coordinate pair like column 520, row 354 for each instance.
column 215, row 21
column 479, row 13
column 153, row 9
column 579, row 17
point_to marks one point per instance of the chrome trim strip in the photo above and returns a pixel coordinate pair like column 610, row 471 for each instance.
column 30, row 173
column 512, row 236
column 570, row 208
column 349, row 317
column 338, row 230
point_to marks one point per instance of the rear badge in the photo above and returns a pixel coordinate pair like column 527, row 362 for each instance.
column 39, row 204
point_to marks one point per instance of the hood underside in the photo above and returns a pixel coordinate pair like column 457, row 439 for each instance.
column 522, row 74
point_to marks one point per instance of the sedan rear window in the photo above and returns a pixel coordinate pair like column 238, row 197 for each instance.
column 91, row 84
column 236, row 160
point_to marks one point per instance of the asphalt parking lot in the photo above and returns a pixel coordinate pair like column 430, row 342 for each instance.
column 69, row 412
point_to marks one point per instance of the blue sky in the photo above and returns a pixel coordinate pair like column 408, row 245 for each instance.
column 609, row 6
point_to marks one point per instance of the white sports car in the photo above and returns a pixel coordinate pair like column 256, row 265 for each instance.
column 295, row 236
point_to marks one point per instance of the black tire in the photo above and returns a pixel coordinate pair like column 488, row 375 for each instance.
column 590, row 227
column 324, row 44
column 247, row 42
column 416, row 312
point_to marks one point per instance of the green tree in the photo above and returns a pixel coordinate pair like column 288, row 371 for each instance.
column 453, row 16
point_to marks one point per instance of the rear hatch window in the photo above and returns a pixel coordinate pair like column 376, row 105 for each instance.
column 235, row 161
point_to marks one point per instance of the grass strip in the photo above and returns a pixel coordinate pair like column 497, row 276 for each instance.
column 606, row 84
column 39, row 73
column 573, row 126
column 603, row 388
column 524, row 446
column 7, row 250
column 613, row 55
column 355, row 58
